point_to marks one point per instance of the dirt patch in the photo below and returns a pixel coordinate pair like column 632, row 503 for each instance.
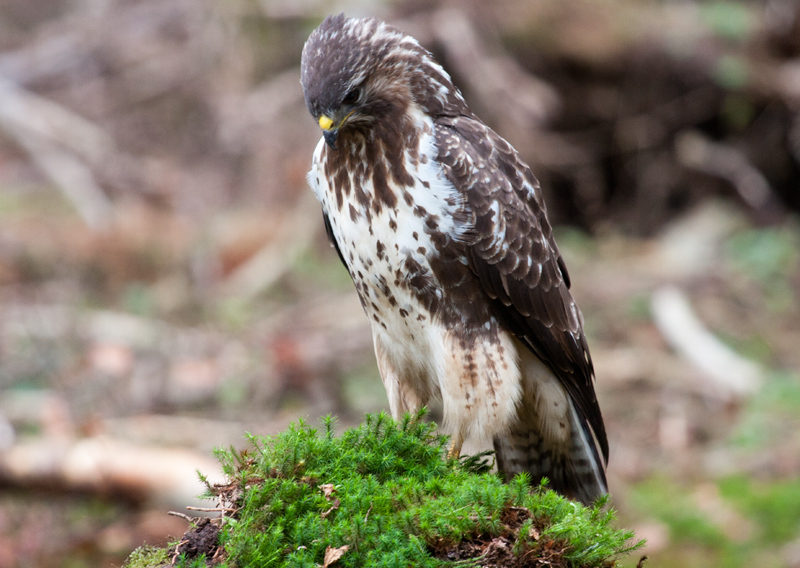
column 499, row 551
column 201, row 540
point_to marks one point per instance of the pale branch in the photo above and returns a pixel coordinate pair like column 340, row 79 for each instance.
column 732, row 375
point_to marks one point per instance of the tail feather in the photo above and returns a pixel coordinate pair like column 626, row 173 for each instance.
column 574, row 469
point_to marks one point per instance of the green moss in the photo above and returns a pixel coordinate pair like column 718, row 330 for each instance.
column 147, row 556
column 384, row 491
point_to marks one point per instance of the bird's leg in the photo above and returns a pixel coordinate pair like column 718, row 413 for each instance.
column 455, row 447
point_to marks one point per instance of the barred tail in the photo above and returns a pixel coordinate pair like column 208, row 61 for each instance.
column 574, row 469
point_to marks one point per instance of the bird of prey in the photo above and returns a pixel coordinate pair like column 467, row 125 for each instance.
column 444, row 232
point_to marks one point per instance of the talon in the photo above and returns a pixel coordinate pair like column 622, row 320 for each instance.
column 455, row 448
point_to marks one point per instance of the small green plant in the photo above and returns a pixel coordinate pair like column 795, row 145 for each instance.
column 381, row 494
column 146, row 556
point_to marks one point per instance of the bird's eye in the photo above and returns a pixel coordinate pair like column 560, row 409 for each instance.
column 351, row 97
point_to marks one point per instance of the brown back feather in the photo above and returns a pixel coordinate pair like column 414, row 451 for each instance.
column 527, row 281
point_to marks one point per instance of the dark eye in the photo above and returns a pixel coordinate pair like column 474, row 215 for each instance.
column 351, row 97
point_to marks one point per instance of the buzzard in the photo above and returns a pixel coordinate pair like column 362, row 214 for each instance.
column 444, row 232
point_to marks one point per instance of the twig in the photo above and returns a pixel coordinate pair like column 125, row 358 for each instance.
column 181, row 515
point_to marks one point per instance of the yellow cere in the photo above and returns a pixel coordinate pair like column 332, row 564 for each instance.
column 325, row 122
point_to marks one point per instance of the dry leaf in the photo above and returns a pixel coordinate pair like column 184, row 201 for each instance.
column 327, row 489
column 334, row 506
column 333, row 554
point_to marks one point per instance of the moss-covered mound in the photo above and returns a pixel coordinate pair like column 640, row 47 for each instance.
column 381, row 494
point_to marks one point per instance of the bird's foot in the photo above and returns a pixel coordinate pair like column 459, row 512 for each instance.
column 455, row 448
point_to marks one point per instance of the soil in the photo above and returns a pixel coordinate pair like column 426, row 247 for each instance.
column 200, row 540
column 498, row 551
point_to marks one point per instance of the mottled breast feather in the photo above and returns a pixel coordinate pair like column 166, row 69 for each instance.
column 516, row 260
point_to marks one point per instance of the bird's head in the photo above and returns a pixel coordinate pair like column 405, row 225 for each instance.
column 361, row 73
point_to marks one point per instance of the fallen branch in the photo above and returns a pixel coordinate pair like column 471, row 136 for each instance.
column 733, row 375
column 108, row 466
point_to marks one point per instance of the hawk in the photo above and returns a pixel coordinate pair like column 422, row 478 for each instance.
column 444, row 232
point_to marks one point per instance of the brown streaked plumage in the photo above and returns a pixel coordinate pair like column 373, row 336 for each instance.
column 444, row 231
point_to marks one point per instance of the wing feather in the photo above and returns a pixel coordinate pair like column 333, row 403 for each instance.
column 331, row 237
column 515, row 258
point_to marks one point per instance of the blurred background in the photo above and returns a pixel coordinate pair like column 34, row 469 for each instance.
column 166, row 284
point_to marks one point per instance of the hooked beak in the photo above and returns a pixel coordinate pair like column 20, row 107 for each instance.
column 330, row 137
column 329, row 131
